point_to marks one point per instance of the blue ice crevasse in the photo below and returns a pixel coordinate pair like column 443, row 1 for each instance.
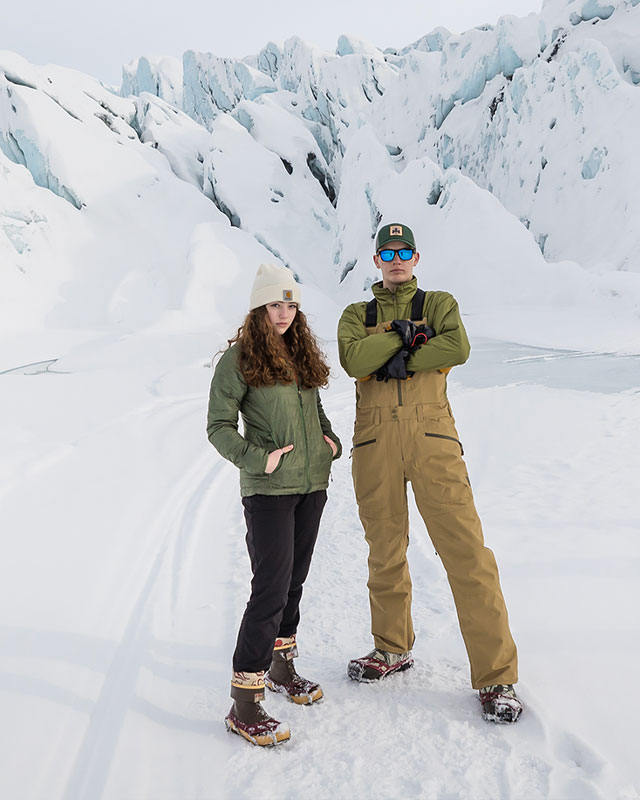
column 591, row 166
column 18, row 147
column 593, row 10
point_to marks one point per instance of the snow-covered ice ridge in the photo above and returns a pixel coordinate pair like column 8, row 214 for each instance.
column 510, row 149
column 542, row 111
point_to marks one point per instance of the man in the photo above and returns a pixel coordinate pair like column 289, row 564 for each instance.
column 399, row 347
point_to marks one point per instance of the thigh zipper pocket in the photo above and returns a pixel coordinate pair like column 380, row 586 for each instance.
column 362, row 444
column 450, row 438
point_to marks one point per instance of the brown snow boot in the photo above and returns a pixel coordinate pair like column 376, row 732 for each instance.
column 247, row 717
column 283, row 678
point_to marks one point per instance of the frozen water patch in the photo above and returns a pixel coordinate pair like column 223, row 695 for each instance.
column 497, row 363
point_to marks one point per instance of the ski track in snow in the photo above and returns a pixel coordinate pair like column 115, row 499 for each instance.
column 174, row 522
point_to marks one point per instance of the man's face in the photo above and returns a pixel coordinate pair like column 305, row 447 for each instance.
column 397, row 271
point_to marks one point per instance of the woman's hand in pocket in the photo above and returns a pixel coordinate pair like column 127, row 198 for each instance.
column 274, row 458
column 332, row 444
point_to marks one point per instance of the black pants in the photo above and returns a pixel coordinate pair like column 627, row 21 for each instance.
column 281, row 535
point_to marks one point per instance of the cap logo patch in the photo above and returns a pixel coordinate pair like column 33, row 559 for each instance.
column 396, row 230
column 287, row 294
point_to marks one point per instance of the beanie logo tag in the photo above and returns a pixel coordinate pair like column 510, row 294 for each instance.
column 287, row 295
column 396, row 230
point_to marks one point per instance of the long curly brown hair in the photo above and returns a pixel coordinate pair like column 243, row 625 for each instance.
column 267, row 357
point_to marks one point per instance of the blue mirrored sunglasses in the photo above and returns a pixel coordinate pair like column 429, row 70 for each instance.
column 388, row 255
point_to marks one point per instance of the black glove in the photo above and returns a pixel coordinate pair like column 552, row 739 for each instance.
column 395, row 367
column 406, row 330
column 413, row 336
column 421, row 336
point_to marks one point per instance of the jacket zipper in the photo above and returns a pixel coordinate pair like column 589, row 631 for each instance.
column 395, row 316
column 451, row 439
column 304, row 433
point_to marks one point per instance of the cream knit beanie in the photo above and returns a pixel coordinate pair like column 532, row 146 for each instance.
column 274, row 284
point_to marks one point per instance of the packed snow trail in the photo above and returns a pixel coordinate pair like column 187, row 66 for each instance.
column 128, row 578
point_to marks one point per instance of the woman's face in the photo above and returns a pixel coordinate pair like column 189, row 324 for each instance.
column 281, row 315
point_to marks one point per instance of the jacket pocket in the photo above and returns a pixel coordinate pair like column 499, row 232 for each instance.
column 450, row 438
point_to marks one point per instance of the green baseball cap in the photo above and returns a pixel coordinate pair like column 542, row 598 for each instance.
column 391, row 234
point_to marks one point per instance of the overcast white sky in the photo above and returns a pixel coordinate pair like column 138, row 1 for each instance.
column 98, row 38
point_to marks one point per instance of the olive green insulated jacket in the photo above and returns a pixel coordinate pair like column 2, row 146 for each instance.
column 273, row 417
column 361, row 355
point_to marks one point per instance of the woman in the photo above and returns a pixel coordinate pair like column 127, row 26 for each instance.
column 271, row 374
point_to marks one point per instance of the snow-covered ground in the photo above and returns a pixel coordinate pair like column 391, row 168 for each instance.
column 124, row 576
column 130, row 231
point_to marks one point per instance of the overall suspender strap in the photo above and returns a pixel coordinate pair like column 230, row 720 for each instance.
column 371, row 319
column 417, row 305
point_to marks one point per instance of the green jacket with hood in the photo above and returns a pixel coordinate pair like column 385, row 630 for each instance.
column 361, row 355
column 273, row 417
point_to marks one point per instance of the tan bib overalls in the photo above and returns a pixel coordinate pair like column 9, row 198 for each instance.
column 404, row 431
